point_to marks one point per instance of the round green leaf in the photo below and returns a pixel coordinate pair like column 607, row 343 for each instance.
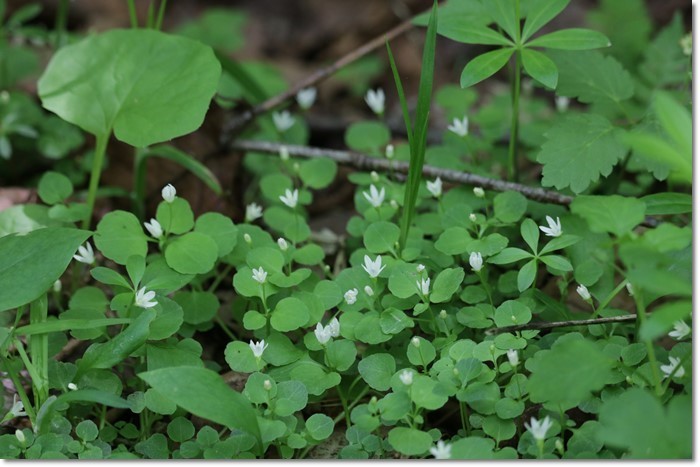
column 381, row 237
column 289, row 314
column 176, row 217
column 54, row 187
column 319, row 426
column 164, row 85
column 220, row 228
column 509, row 206
column 511, row 313
column 367, row 136
column 120, row 235
column 193, row 253
column 410, row 441
column 180, row 429
column 318, row 173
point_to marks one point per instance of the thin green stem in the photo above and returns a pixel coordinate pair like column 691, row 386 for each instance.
column 609, row 298
column 39, row 349
column 641, row 319
column 161, row 13
column 97, row 163
column 139, row 187
column 346, row 408
column 14, row 376
column 132, row 14
column 515, row 122
column 61, row 20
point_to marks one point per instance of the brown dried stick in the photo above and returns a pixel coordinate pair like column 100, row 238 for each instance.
column 561, row 324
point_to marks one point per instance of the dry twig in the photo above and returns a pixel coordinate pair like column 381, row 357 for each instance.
column 562, row 324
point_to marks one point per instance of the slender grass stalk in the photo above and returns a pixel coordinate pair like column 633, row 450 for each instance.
column 641, row 319
column 61, row 20
column 134, row 19
column 151, row 15
column 39, row 350
column 97, row 163
column 161, row 14
column 515, row 112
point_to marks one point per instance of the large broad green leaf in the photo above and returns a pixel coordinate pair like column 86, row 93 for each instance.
column 484, row 66
column 614, row 214
column 30, row 264
column 119, row 235
column 592, row 77
column 579, row 149
column 205, row 394
column 636, row 421
column 145, row 85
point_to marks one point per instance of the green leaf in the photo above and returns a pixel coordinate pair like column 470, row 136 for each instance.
column 511, row 313
column 119, row 235
column 527, row 275
column 592, row 77
column 68, row 325
column 571, row 39
column 579, row 149
column 676, row 121
column 557, row 262
column 86, row 430
column 165, row 85
column 318, row 173
column 559, row 243
column 377, row 370
column 31, row 263
column 540, row 67
column 176, row 217
column 530, row 233
column 186, row 385
column 446, row 284
column 381, row 237
column 509, row 206
column 220, row 228
column 193, row 253
column 368, row 137
column 410, row 441
column 484, row 66
column 54, row 187
column 509, row 255
column 183, row 159
column 473, row 448
column 180, row 429
column 661, row 321
column 568, row 372
column 614, row 214
column 503, row 13
column 540, row 13
column 292, row 397
column 470, row 33
column 289, row 314
column 319, row 426
column 637, row 422
column 221, row 28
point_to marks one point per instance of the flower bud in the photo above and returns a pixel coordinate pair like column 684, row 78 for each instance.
column 369, row 291
column 267, row 385
column 282, row 243
column 479, row 192
column 415, row 342
column 389, row 151
column 247, row 239
column 57, row 286
column 472, row 217
column 19, row 434
column 443, row 314
column 284, row 153
column 168, row 193
column 374, row 176
column 72, row 386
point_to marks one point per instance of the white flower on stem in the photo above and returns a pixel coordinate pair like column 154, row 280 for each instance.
column 476, row 261
column 582, row 290
column 323, row 333
column 513, row 357
column 284, row 153
column 680, row 330
column 369, row 291
column 441, row 450
column 282, row 243
column 334, row 327
column 373, row 268
column 154, row 228
column 306, row 97
column 424, row 286
column 389, row 151
column 17, row 409
column 19, row 434
column 144, row 298
column 85, row 254
column 351, row 296
column 252, row 212
column 671, row 367
column 420, row 268
column 72, row 386
column 258, row 348
column 460, row 127
column 375, row 197
column 539, row 429
column 561, row 103
column 479, row 192
column 435, row 188
column 283, row 120
column 375, row 100
column 259, row 275
column 406, row 377
column 554, row 229
column 472, row 217
column 290, row 198
column 168, row 193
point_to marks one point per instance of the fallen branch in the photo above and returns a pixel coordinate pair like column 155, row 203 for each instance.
column 232, row 126
column 364, row 162
column 562, row 324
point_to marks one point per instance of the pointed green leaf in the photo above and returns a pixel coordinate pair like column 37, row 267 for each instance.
column 571, row 39
column 540, row 13
column 503, row 13
column 540, row 67
column 477, row 34
column 484, row 66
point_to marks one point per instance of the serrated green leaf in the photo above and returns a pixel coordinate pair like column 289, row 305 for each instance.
column 614, row 214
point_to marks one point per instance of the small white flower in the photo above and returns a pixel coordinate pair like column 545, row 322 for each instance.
column 630, row 289
column 582, row 290
column 259, row 275
column 415, row 342
column 561, row 103
column 284, row 153
column 57, row 286
column 323, row 334
column 554, row 229
column 671, row 367
column 375, row 197
column 247, row 238
column 17, row 409
column 85, row 254
column 441, row 450
column 258, row 348
column 267, row 385
column 513, row 357
column 290, row 198
column 406, row 377
column 373, row 268
column 72, row 386
column 144, row 298
column 460, row 127
column 334, row 327
column 479, row 192
column 19, row 434
column 282, row 243
column 389, row 151
column 472, row 217
column 252, row 212
column 369, row 291
column 154, row 228
column 351, row 296
column 306, row 97
column 424, row 286
column 420, row 268
column 539, row 429
column 476, row 261
column 680, row 330
column 435, row 188
column 375, row 100
column 283, row 120
column 168, row 192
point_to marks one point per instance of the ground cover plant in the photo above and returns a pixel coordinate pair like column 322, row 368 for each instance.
column 513, row 280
